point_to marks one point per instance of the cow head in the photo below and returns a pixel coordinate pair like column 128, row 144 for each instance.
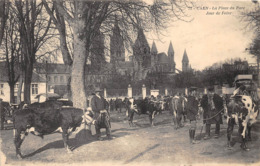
column 88, row 116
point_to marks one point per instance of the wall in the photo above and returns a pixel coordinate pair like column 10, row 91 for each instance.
column 6, row 90
column 6, row 96
column 41, row 89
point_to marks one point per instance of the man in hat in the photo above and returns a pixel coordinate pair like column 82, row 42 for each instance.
column 101, row 115
column 241, row 90
column 213, row 107
column 192, row 113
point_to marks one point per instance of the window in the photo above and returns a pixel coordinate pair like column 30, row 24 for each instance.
column 49, row 88
column 49, row 78
column 55, row 79
column 16, row 87
column 34, row 89
column 61, row 79
column 1, row 89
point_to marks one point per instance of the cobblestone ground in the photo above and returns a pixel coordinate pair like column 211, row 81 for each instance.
column 141, row 145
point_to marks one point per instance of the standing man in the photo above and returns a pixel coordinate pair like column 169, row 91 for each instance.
column 192, row 113
column 213, row 107
column 101, row 115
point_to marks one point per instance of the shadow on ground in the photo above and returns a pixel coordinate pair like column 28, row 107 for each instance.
column 83, row 137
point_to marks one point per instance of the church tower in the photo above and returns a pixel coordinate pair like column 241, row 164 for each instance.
column 171, row 58
column 142, row 56
column 141, row 50
column 154, row 53
column 185, row 62
column 117, row 49
column 97, row 52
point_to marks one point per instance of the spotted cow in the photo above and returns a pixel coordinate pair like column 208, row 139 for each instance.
column 241, row 110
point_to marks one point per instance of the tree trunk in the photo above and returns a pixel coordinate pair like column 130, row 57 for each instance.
column 78, row 67
column 11, row 93
column 20, row 86
column 27, row 83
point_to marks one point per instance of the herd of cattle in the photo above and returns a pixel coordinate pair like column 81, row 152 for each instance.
column 60, row 116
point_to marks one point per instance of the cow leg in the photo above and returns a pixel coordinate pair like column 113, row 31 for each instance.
column 151, row 115
column 230, row 128
column 179, row 117
column 249, row 132
column 19, row 137
column 131, row 117
column 65, row 137
column 242, row 130
column 175, row 119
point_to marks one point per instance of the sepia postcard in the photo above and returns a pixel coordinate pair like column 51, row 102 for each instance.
column 129, row 82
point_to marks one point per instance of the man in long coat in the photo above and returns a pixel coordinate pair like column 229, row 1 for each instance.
column 213, row 107
column 192, row 113
column 100, row 108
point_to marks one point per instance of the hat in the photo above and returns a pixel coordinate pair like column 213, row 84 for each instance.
column 193, row 89
column 98, row 90
column 210, row 89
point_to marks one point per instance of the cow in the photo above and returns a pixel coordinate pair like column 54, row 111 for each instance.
column 241, row 110
column 6, row 113
column 167, row 103
column 46, row 118
column 178, row 110
column 143, row 106
column 7, row 108
column 119, row 105
column 112, row 105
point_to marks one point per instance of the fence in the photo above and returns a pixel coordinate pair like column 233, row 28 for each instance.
column 137, row 92
column 116, row 92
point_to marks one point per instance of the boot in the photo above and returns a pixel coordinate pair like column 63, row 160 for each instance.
column 193, row 137
column 217, row 131
column 109, row 137
column 243, row 145
column 207, row 136
column 229, row 142
column 190, row 131
column 229, row 145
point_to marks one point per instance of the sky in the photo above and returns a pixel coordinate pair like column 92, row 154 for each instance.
column 208, row 38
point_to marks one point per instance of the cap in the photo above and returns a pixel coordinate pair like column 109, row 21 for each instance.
column 98, row 90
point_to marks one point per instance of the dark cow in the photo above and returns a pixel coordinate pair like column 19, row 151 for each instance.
column 167, row 103
column 241, row 111
column 45, row 118
column 119, row 105
column 7, row 108
column 112, row 105
column 143, row 106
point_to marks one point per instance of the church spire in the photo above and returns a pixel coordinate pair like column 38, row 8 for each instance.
column 154, row 49
column 170, row 50
column 117, row 49
column 141, row 40
column 185, row 62
column 185, row 57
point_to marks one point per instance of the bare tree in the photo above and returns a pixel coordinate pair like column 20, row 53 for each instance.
column 88, row 18
column 253, row 19
column 11, row 49
column 34, row 27
column 4, row 8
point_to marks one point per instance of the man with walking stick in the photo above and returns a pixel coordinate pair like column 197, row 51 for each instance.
column 213, row 107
